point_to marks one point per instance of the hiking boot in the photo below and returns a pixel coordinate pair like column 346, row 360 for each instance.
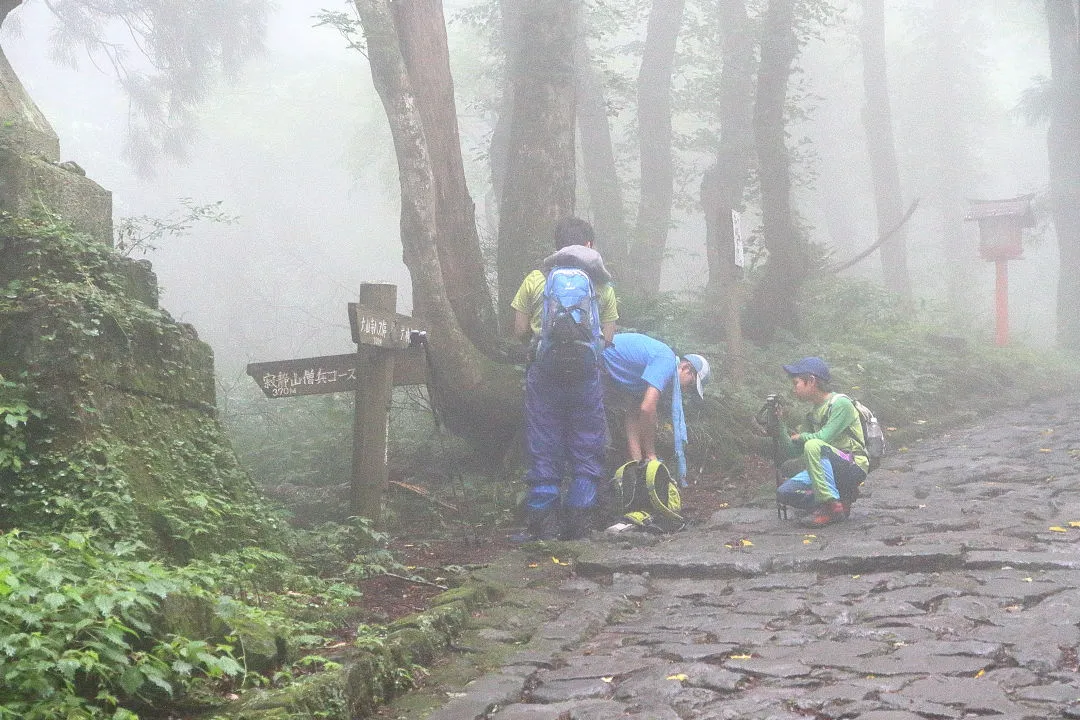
column 578, row 524
column 828, row 513
column 542, row 526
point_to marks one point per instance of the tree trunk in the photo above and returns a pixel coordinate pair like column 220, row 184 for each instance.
column 539, row 187
column 773, row 304
column 877, row 120
column 654, row 137
column 421, row 28
column 1063, row 141
column 598, row 162
column 724, row 183
column 954, row 162
column 510, row 15
column 475, row 397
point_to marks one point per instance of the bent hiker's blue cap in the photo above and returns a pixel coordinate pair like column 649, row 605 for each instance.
column 701, row 369
column 809, row 366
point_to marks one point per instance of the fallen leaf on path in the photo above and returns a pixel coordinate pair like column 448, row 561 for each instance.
column 1056, row 528
column 557, row 561
column 678, row 676
column 739, row 657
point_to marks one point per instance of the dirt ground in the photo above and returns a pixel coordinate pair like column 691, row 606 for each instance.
column 389, row 597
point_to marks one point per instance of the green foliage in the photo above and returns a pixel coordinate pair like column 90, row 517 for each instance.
column 142, row 233
column 67, row 269
column 917, row 375
column 143, row 463
column 76, row 630
column 302, row 441
column 347, row 25
column 16, row 412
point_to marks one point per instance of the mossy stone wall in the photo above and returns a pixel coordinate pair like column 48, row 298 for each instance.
column 130, row 436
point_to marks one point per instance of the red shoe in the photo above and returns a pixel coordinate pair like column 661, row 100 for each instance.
column 828, row 513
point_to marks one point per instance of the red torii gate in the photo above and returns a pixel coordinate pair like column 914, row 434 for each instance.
column 1001, row 224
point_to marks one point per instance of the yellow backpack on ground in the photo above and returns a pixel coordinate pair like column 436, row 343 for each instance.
column 647, row 496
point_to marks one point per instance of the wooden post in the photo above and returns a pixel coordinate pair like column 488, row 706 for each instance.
column 1001, row 302
column 372, row 415
column 391, row 350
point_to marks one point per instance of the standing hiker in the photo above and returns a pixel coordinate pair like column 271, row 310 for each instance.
column 829, row 441
column 639, row 370
column 567, row 313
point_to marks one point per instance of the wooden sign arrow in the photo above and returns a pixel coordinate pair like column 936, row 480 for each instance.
column 384, row 329
column 330, row 373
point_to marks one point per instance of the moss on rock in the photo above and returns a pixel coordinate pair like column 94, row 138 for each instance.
column 130, row 441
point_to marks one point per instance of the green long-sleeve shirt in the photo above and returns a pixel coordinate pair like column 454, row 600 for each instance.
column 836, row 422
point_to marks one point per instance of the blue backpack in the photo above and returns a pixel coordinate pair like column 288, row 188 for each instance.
column 570, row 341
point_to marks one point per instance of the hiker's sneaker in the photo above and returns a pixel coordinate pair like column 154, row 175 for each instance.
column 578, row 524
column 543, row 526
column 828, row 513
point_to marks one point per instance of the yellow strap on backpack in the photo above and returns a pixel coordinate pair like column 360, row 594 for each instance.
column 659, row 503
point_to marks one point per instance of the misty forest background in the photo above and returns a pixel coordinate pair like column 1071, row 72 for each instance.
column 297, row 148
column 261, row 155
column 268, row 159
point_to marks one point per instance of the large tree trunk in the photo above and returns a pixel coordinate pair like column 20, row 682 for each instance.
column 476, row 397
column 877, row 120
column 773, row 304
column 421, row 29
column 1063, row 141
column 539, row 185
column 724, row 183
column 510, row 17
column 598, row 163
column 950, row 144
column 654, row 137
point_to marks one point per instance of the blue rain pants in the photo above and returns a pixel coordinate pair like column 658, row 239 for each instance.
column 565, row 436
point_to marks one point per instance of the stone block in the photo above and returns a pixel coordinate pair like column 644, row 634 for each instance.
column 21, row 122
column 28, row 182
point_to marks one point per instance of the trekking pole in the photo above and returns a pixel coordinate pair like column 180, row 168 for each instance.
column 781, row 508
column 769, row 418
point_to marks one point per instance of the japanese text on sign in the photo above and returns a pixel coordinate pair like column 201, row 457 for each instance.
column 383, row 329
column 288, row 383
column 305, row 376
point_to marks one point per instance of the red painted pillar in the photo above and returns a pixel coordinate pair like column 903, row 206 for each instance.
column 1001, row 302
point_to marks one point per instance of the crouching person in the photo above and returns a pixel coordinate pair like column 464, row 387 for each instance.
column 829, row 442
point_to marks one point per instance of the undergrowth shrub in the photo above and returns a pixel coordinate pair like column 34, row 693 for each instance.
column 76, row 630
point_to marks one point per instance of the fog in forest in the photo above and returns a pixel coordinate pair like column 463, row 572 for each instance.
column 299, row 150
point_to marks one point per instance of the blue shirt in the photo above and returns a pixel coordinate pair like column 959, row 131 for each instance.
column 635, row 361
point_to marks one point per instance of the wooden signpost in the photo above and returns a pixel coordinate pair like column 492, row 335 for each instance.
column 390, row 350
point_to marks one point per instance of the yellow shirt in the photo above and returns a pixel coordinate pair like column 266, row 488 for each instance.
column 529, row 297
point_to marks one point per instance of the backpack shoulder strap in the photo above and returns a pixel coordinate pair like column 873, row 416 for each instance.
column 659, row 483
